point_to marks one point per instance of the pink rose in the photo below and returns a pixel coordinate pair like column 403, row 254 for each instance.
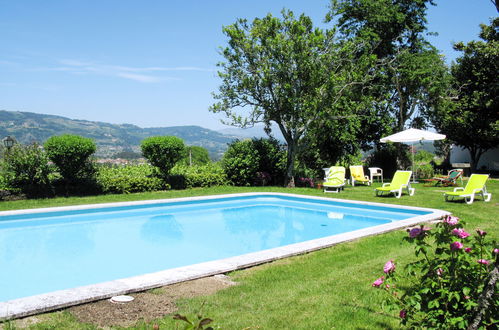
column 456, row 246
column 440, row 271
column 389, row 267
column 459, row 232
column 387, row 286
column 451, row 221
column 403, row 314
column 483, row 261
column 414, row 232
column 378, row 282
column 467, row 250
column 496, row 251
column 481, row 232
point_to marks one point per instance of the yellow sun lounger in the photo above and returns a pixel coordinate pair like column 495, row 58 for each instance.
column 475, row 186
column 335, row 179
column 400, row 181
column 357, row 175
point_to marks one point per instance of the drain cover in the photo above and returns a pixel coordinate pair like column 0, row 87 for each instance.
column 121, row 299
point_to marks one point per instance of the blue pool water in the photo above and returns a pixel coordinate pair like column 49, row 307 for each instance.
column 44, row 252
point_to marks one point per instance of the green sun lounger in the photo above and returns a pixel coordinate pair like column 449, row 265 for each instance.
column 335, row 179
column 399, row 182
column 475, row 186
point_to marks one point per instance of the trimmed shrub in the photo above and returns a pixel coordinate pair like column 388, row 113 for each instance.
column 208, row 175
column 241, row 162
column 71, row 155
column 128, row 179
column 163, row 152
column 424, row 171
column 3, row 182
column 26, row 168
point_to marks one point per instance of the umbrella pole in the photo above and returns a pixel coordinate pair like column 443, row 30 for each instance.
column 413, row 171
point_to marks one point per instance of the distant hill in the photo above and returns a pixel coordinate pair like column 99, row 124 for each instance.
column 256, row 131
column 28, row 127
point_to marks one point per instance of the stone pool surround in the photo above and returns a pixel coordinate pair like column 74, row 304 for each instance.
column 64, row 298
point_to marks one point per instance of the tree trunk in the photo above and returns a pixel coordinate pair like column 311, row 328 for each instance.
column 485, row 299
column 290, row 165
column 475, row 154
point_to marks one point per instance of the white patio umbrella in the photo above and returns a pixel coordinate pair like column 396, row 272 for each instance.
column 412, row 135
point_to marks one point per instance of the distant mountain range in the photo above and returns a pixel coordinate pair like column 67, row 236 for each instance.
column 28, row 127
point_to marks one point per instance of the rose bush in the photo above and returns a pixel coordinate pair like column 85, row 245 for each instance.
column 453, row 283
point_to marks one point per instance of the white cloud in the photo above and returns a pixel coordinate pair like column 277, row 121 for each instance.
column 133, row 73
column 139, row 77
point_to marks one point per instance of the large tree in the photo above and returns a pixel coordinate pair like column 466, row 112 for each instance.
column 472, row 119
column 416, row 81
column 412, row 76
column 289, row 73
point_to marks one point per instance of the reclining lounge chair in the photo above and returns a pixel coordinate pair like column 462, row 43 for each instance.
column 475, row 186
column 335, row 179
column 400, row 181
column 357, row 175
column 450, row 179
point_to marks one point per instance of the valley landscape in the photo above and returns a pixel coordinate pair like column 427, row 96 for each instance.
column 28, row 127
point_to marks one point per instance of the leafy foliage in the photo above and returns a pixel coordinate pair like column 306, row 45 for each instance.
column 128, row 179
column 424, row 171
column 4, row 185
column 411, row 76
column 208, row 175
column 256, row 161
column 453, row 281
column 272, row 160
column 386, row 24
column 71, row 155
column 423, row 156
column 26, row 168
column 287, row 72
column 471, row 119
column 163, row 152
column 195, row 155
column 199, row 324
column 385, row 157
column 240, row 162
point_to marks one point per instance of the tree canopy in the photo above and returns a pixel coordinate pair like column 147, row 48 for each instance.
column 163, row 152
column 287, row 72
column 388, row 24
column 471, row 119
column 71, row 154
column 411, row 75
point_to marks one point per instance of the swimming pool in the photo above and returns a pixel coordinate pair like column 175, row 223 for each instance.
column 61, row 256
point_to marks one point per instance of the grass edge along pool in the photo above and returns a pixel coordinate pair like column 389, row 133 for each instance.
column 63, row 298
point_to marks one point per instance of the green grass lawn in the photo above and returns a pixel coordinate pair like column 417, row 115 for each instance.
column 330, row 288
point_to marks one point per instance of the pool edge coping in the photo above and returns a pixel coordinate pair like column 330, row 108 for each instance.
column 64, row 298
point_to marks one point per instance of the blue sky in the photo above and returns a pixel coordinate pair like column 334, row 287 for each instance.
column 149, row 63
